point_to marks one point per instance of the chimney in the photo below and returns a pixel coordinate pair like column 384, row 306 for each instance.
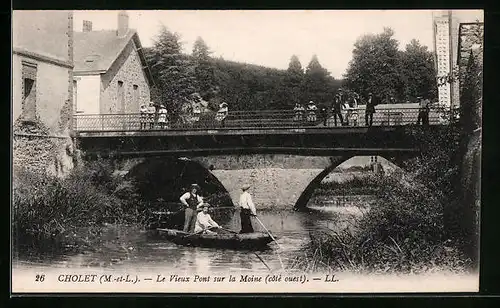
column 87, row 26
column 122, row 24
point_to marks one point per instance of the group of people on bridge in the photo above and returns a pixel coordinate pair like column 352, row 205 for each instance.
column 202, row 222
column 345, row 108
column 156, row 115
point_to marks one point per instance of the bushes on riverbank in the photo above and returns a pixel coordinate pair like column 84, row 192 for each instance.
column 357, row 185
column 402, row 232
column 51, row 213
column 412, row 227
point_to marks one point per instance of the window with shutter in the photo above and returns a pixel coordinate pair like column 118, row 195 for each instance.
column 29, row 72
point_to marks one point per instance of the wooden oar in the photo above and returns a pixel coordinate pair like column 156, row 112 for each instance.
column 272, row 237
column 228, row 230
column 199, row 232
column 261, row 260
column 223, row 208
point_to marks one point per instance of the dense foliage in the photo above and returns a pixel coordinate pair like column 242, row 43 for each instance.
column 51, row 213
column 242, row 86
column 378, row 66
column 424, row 219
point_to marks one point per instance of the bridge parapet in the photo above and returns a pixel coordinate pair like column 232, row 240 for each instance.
column 255, row 119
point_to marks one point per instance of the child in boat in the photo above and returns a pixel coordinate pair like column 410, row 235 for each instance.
column 204, row 222
column 247, row 210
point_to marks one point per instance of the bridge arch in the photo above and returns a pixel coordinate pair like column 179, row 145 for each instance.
column 168, row 177
column 302, row 201
column 276, row 179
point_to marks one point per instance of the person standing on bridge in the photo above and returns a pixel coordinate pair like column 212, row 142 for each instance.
column 423, row 111
column 196, row 105
column 370, row 109
column 192, row 201
column 311, row 112
column 222, row 113
column 151, row 115
column 247, row 210
column 162, row 116
column 324, row 115
column 352, row 113
column 337, row 109
column 144, row 116
column 299, row 112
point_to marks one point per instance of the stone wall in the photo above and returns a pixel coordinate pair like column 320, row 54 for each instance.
column 35, row 150
column 472, row 45
column 271, row 187
column 230, row 162
column 277, row 180
column 127, row 69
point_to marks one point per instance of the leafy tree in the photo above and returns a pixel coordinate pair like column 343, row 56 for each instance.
column 293, row 82
column 317, row 81
column 374, row 66
column 417, row 72
column 172, row 69
column 243, row 86
column 204, row 69
column 295, row 68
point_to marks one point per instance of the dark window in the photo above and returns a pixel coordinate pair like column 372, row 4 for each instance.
column 121, row 97
column 136, row 95
column 29, row 71
column 75, row 96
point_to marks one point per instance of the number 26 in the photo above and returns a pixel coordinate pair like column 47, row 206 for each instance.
column 40, row 278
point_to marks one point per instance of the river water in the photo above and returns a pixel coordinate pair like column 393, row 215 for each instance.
column 126, row 247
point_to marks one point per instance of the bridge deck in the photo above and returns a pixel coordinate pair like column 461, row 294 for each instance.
column 275, row 122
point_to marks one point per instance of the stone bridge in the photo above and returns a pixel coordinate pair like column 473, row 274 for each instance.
column 277, row 180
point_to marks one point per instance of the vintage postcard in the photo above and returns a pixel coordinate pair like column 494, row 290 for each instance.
column 241, row 151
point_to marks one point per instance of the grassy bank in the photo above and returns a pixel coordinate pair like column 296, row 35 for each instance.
column 402, row 232
column 363, row 185
column 53, row 214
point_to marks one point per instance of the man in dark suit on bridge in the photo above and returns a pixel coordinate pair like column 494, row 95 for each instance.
column 370, row 109
column 337, row 109
column 423, row 111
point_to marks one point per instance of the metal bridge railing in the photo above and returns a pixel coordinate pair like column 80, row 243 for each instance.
column 256, row 120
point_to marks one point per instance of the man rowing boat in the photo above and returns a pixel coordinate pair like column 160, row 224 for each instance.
column 247, row 210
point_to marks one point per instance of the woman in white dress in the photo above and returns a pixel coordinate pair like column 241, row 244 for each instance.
column 162, row 117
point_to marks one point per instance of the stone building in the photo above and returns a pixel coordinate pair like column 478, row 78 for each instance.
column 445, row 36
column 470, row 47
column 111, row 75
column 42, row 98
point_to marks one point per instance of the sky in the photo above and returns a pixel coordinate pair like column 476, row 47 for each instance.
column 270, row 38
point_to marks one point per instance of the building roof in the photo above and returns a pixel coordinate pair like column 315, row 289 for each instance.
column 96, row 51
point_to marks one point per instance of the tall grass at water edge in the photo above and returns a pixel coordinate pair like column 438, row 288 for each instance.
column 51, row 214
column 402, row 232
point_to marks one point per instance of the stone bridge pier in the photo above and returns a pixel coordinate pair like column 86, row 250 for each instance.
column 277, row 181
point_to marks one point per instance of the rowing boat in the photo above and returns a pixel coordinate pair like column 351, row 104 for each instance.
column 253, row 240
